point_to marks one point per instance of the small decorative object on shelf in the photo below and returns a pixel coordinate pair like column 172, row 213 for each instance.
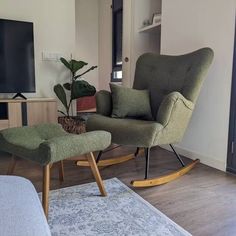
column 150, row 25
column 156, row 18
column 146, row 23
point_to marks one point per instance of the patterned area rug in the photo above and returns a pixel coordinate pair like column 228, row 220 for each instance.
column 78, row 210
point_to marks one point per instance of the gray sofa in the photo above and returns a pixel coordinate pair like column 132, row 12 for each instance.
column 21, row 212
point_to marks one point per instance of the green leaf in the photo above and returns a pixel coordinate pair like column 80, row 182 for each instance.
column 66, row 63
column 67, row 86
column 62, row 112
column 91, row 68
column 77, row 65
column 60, row 92
column 82, row 88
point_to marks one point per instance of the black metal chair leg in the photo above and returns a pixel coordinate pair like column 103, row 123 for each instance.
column 177, row 155
column 147, row 154
column 136, row 152
column 99, row 156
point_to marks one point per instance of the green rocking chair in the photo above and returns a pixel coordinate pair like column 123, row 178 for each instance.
column 174, row 83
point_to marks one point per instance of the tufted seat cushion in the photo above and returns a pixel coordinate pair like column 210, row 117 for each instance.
column 49, row 143
column 137, row 133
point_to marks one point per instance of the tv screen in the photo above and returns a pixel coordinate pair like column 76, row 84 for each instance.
column 17, row 72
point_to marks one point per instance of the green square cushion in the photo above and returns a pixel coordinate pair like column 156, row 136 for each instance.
column 129, row 102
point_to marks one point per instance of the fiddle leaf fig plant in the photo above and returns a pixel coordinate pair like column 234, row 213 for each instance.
column 76, row 86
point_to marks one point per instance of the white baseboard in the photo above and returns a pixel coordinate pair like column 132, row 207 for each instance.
column 209, row 161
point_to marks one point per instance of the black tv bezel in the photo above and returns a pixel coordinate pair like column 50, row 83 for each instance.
column 24, row 91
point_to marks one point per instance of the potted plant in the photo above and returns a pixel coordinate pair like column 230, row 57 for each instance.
column 76, row 88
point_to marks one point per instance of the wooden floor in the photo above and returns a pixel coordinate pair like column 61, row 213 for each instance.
column 203, row 201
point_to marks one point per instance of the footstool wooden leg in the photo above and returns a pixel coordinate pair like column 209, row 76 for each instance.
column 96, row 173
column 12, row 165
column 61, row 171
column 46, row 188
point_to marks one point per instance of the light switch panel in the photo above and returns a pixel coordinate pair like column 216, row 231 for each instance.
column 51, row 56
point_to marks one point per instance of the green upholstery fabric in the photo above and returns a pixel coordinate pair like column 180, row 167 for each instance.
column 174, row 114
column 138, row 133
column 129, row 102
column 162, row 74
column 174, row 83
column 49, row 143
column 104, row 102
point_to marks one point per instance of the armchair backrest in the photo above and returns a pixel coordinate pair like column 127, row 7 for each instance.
column 162, row 74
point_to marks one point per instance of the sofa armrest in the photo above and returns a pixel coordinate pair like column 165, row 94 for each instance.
column 104, row 103
column 21, row 210
column 63, row 147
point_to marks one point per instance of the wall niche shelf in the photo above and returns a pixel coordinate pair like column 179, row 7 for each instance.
column 149, row 27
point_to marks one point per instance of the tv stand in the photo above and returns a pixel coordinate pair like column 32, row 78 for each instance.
column 19, row 95
column 33, row 111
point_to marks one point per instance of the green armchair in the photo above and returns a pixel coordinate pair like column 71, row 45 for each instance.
column 174, row 83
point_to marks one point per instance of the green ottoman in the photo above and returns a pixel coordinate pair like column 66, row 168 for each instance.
column 47, row 144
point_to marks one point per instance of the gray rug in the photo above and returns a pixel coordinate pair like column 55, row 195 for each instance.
column 78, row 210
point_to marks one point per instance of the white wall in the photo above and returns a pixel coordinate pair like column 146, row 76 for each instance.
column 54, row 31
column 145, row 41
column 86, row 13
column 105, row 43
column 186, row 26
column 94, row 39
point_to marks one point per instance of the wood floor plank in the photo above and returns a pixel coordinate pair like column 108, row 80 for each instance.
column 203, row 201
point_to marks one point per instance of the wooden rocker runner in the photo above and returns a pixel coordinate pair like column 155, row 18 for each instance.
column 165, row 178
column 111, row 161
column 146, row 182
column 165, row 91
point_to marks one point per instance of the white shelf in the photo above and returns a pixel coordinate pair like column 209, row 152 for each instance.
column 149, row 27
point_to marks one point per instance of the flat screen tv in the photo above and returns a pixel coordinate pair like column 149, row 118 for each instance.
column 17, row 69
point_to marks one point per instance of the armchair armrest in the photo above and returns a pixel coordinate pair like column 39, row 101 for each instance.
column 174, row 114
column 104, row 103
column 176, row 103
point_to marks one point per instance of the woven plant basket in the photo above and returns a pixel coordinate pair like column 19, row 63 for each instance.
column 73, row 125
